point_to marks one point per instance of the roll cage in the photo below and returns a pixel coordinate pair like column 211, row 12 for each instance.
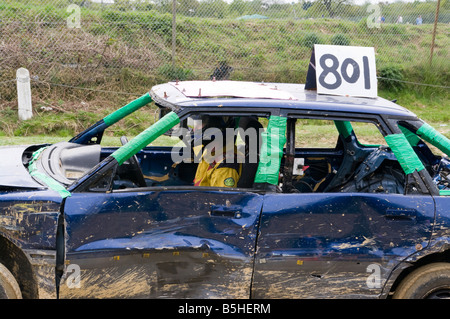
column 403, row 134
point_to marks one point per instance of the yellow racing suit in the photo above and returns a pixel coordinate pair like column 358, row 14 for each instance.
column 217, row 172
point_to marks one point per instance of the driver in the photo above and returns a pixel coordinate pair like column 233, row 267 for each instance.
column 219, row 166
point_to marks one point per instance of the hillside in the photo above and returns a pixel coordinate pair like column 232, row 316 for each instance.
column 79, row 75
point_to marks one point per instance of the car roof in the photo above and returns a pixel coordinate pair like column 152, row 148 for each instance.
column 193, row 94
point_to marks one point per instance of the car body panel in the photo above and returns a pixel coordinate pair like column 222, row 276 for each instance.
column 172, row 243
column 12, row 171
column 317, row 245
column 442, row 225
column 29, row 218
column 29, row 221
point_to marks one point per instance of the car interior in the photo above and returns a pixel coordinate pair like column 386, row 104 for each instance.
column 349, row 166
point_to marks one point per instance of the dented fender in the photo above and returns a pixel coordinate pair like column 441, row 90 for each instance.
column 28, row 222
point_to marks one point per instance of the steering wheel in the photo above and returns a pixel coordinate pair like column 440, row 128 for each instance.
column 135, row 169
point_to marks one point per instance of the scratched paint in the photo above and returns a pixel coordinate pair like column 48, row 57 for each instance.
column 159, row 275
column 335, row 239
column 31, row 222
column 189, row 251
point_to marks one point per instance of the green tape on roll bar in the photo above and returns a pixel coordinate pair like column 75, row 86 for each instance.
column 344, row 128
column 146, row 137
column 404, row 153
column 444, row 192
column 412, row 138
column 274, row 139
column 127, row 109
column 50, row 182
column 429, row 134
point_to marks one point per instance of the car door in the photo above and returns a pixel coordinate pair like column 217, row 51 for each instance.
column 176, row 242
column 336, row 244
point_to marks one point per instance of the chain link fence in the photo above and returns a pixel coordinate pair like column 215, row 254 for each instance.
column 260, row 40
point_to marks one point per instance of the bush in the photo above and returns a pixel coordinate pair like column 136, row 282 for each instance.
column 340, row 39
column 390, row 77
column 311, row 39
column 172, row 73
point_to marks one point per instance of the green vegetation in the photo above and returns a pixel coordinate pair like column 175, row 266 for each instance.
column 84, row 74
column 127, row 11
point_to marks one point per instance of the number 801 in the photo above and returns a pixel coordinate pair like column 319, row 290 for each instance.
column 333, row 69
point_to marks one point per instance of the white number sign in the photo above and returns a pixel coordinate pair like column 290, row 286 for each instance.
column 346, row 70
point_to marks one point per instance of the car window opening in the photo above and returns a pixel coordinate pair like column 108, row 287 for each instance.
column 178, row 165
column 348, row 165
column 268, row 152
column 291, row 155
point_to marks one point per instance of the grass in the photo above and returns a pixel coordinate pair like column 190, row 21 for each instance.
column 257, row 50
column 129, row 52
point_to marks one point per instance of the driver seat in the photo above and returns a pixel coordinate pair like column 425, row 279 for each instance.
column 249, row 167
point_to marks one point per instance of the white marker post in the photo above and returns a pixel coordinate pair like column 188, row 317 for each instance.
column 24, row 94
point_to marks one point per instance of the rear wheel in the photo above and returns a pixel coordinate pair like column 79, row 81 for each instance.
column 9, row 288
column 428, row 282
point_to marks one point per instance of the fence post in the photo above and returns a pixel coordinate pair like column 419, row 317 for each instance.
column 174, row 29
column 436, row 17
column 24, row 94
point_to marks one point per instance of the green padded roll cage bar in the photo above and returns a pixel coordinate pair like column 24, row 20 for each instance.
column 274, row 139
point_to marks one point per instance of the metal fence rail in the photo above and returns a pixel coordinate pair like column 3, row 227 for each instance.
column 263, row 40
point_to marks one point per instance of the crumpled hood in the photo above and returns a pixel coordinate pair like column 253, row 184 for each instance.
column 12, row 171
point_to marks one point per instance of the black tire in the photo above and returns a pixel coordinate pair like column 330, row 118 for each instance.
column 430, row 281
column 9, row 288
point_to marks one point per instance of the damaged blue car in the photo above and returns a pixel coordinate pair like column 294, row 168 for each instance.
column 317, row 212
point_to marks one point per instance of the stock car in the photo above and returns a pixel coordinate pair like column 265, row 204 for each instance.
column 326, row 215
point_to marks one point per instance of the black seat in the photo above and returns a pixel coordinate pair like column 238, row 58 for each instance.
column 250, row 166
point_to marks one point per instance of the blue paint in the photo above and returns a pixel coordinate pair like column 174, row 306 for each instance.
column 326, row 232
column 161, row 223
